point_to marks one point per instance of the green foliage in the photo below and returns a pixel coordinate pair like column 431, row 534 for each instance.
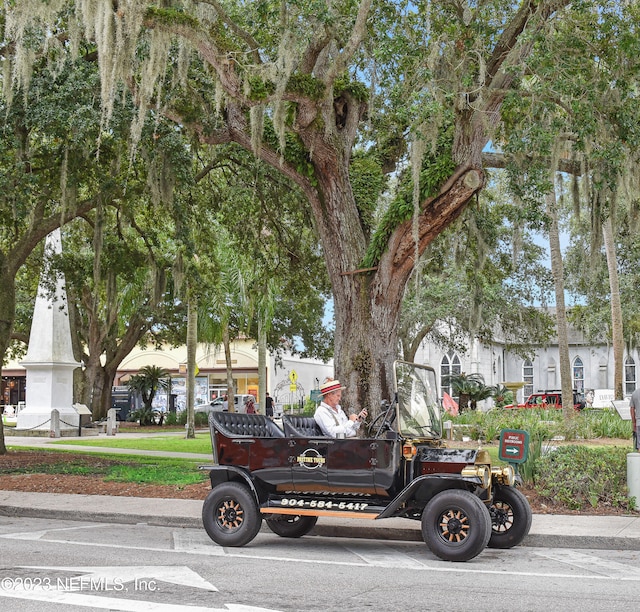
column 200, row 419
column 546, row 424
column 580, row 476
column 307, row 409
column 201, row 444
column 577, row 476
column 259, row 88
column 368, row 183
column 159, row 471
column 470, row 388
column 147, row 382
column 154, row 473
column 172, row 419
column 355, row 88
column 171, row 17
column 528, row 469
column 435, row 170
column 145, row 415
column 502, row 396
column 294, row 151
column 306, row 84
column 479, row 278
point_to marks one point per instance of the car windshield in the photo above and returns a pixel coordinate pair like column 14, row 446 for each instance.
column 418, row 406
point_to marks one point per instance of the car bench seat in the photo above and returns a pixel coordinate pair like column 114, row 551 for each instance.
column 300, row 427
column 239, row 425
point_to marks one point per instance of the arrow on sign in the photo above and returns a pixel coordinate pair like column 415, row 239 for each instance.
column 513, row 451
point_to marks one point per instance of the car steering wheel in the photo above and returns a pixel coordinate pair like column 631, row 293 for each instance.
column 382, row 422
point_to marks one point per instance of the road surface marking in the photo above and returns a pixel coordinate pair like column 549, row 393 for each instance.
column 609, row 569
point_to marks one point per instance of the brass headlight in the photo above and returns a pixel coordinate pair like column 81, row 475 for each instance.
column 505, row 475
column 478, row 471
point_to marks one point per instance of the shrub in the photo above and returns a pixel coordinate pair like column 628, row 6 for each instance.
column 579, row 476
column 171, row 419
column 605, row 424
column 145, row 415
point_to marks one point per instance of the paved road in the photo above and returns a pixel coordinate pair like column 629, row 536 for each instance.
column 60, row 566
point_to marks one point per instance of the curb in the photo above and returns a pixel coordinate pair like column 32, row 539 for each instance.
column 329, row 528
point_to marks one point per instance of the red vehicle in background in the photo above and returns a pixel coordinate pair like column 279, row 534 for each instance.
column 549, row 399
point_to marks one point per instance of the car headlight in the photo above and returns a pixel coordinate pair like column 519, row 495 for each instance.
column 478, row 471
column 505, row 475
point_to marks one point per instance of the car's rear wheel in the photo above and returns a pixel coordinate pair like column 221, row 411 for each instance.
column 291, row 526
column 230, row 515
column 456, row 525
column 510, row 517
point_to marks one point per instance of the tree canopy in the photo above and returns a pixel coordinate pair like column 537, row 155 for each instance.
column 335, row 96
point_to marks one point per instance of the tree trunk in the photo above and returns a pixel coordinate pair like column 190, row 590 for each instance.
column 103, row 383
column 192, row 345
column 226, row 343
column 616, row 308
column 262, row 367
column 557, row 270
column 367, row 303
column 7, row 316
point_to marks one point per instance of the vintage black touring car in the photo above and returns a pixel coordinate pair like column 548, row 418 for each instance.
column 291, row 476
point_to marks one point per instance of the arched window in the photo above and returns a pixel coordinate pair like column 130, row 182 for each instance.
column 527, row 376
column 578, row 375
column 629, row 376
column 449, row 366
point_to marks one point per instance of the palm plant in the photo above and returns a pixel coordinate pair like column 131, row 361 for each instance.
column 502, row 396
column 148, row 381
column 469, row 388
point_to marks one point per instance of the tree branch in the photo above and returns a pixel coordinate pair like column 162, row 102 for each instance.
column 251, row 42
column 499, row 161
column 512, row 32
column 357, row 34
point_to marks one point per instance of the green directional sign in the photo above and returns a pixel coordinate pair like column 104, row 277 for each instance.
column 514, row 445
column 315, row 395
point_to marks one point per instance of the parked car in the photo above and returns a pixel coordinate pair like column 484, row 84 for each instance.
column 401, row 468
column 212, row 406
column 549, row 399
column 217, row 404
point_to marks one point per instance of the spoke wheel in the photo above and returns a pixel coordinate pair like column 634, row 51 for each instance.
column 456, row 525
column 291, row 526
column 510, row 517
column 230, row 515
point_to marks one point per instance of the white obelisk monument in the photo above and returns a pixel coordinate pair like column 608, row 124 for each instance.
column 49, row 361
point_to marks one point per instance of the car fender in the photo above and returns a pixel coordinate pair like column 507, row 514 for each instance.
column 231, row 473
column 439, row 482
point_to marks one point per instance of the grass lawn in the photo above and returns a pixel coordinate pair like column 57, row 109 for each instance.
column 119, row 468
column 200, row 444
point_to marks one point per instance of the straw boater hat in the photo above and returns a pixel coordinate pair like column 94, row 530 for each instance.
column 330, row 386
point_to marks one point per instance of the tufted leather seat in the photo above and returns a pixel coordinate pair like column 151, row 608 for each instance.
column 237, row 425
column 300, row 426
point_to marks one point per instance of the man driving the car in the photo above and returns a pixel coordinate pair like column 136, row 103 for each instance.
column 329, row 415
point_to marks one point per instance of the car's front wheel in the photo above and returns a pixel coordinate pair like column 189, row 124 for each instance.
column 456, row 525
column 230, row 515
column 510, row 517
column 291, row 526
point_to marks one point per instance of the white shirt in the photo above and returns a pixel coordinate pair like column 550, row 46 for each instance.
column 334, row 422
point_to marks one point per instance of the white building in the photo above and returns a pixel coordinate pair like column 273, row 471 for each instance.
column 592, row 366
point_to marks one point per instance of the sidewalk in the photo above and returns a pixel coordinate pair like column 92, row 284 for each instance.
column 547, row 530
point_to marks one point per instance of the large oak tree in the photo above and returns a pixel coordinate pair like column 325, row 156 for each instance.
column 304, row 86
